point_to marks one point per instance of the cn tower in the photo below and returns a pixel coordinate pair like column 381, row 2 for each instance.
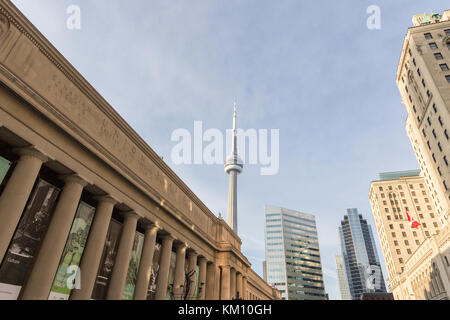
column 233, row 166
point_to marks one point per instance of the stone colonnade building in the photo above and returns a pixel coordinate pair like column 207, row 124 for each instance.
column 87, row 209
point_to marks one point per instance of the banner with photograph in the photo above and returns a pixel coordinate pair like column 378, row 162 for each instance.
column 154, row 273
column 173, row 258
column 26, row 240
column 133, row 268
column 107, row 260
column 197, row 272
column 4, row 167
column 66, row 276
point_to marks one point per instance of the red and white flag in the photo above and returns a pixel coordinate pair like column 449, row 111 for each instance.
column 414, row 223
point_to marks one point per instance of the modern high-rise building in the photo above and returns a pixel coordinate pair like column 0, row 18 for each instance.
column 342, row 278
column 292, row 254
column 390, row 198
column 362, row 265
column 423, row 78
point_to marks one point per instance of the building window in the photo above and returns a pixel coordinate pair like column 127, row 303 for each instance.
column 445, row 185
column 391, row 226
column 445, row 160
column 428, row 144
column 438, row 56
column 447, row 77
column 423, row 132
column 428, row 36
column 439, row 170
column 440, row 120
column 433, row 45
column 439, row 146
column 429, row 120
column 446, row 133
column 418, row 72
column 408, row 251
column 417, row 242
column 423, row 82
column 445, row 257
column 444, row 67
column 434, row 157
column 398, row 251
column 447, row 32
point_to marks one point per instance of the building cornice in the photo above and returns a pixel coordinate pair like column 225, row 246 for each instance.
column 19, row 21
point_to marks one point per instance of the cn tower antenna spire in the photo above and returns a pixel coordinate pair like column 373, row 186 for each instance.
column 233, row 166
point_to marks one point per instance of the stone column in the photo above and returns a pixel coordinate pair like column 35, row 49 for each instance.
column 217, row 284
column 202, row 278
column 164, row 264
column 94, row 248
column 145, row 266
column 192, row 264
column 122, row 260
column 239, row 285
column 211, row 287
column 225, row 283
column 244, row 288
column 180, row 276
column 233, row 283
column 46, row 263
column 16, row 193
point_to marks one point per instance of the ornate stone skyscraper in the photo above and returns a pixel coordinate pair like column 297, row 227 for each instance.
column 233, row 166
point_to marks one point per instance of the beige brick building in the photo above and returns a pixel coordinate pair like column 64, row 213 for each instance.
column 390, row 198
column 418, row 259
column 423, row 78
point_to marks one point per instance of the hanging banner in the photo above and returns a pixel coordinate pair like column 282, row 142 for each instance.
column 4, row 167
column 67, row 276
column 173, row 258
column 26, row 240
column 133, row 268
column 107, row 261
column 154, row 273
column 197, row 272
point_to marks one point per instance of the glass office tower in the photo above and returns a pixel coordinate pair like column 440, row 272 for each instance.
column 292, row 254
column 362, row 265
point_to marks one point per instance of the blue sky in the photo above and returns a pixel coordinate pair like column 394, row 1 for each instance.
column 309, row 68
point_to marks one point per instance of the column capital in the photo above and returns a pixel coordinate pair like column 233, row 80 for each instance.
column 74, row 178
column 167, row 237
column 130, row 215
column 192, row 253
column 202, row 258
column 106, row 198
column 149, row 226
column 32, row 151
column 181, row 245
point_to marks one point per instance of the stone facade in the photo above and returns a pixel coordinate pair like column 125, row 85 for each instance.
column 55, row 126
